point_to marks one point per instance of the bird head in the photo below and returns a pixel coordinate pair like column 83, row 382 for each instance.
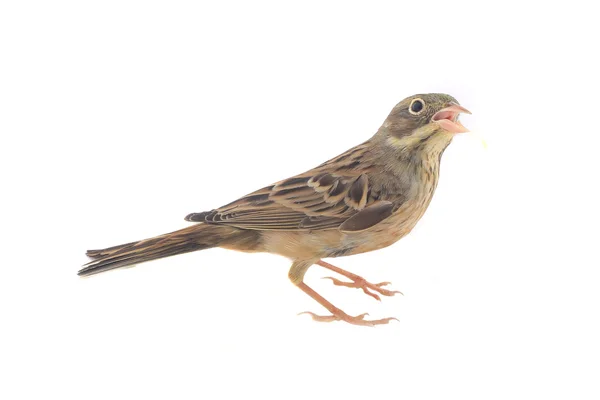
column 423, row 122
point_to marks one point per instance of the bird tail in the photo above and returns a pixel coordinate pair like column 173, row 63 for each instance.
column 193, row 238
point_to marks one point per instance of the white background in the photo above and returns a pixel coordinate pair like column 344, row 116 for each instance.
column 118, row 118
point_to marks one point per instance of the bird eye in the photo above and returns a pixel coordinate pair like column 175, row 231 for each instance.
column 416, row 106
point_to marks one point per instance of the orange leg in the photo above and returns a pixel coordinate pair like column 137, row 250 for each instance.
column 336, row 313
column 358, row 282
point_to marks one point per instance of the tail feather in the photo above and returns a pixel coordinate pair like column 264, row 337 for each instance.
column 118, row 261
column 193, row 238
column 105, row 252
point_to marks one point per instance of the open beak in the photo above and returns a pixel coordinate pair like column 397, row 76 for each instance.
column 447, row 118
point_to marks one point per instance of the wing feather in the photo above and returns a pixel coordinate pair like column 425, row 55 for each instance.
column 332, row 195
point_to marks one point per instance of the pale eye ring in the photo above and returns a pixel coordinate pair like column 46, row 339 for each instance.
column 416, row 106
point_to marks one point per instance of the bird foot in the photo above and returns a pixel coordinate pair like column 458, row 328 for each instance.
column 357, row 320
column 361, row 283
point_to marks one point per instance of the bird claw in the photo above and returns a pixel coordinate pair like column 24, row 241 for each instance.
column 357, row 320
column 362, row 283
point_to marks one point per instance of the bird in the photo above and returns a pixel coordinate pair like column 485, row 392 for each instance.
column 365, row 199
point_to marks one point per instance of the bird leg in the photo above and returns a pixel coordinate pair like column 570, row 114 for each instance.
column 336, row 313
column 357, row 282
column 296, row 275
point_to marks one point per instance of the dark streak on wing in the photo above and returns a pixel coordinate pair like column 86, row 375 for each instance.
column 368, row 217
column 353, row 164
column 294, row 182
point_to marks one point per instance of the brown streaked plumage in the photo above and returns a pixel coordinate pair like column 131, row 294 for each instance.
column 362, row 200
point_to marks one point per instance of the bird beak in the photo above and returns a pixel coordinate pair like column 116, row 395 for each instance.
column 447, row 118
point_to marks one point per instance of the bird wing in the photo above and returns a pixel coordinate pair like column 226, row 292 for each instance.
column 315, row 200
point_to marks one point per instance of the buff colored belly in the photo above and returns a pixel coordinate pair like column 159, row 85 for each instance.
column 305, row 245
